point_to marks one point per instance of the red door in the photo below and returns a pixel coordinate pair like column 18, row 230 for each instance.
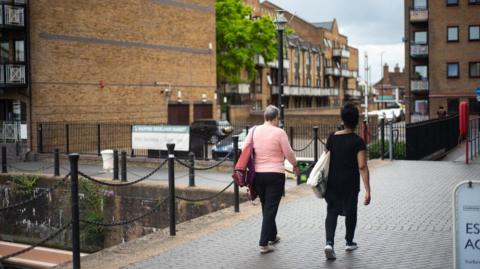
column 202, row 111
column 178, row 114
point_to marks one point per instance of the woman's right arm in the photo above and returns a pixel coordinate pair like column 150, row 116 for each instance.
column 365, row 173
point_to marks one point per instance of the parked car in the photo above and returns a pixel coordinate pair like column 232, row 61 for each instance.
column 210, row 130
column 221, row 149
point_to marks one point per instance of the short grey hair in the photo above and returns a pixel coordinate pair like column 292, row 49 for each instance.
column 271, row 113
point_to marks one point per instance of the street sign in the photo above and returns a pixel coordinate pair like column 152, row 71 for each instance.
column 156, row 137
column 466, row 215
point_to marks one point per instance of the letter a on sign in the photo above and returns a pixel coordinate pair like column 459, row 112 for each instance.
column 466, row 214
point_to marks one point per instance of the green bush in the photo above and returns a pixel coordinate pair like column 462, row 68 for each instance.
column 399, row 150
column 25, row 184
column 91, row 209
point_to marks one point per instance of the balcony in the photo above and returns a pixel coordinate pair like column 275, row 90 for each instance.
column 332, row 71
column 418, row 51
column 343, row 53
column 260, row 61
column 354, row 93
column 346, row 73
column 12, row 16
column 419, row 85
column 418, row 15
column 354, row 74
column 305, row 91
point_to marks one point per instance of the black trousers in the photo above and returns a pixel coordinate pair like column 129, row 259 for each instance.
column 270, row 188
column 345, row 206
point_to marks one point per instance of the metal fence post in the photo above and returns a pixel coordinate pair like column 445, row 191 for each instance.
column 382, row 138
column 315, row 144
column 291, row 136
column 191, row 170
column 99, row 144
column 247, row 128
column 205, row 150
column 115, row 164
column 40, row 138
column 75, row 211
column 4, row 159
column 124, row 166
column 236, row 191
column 171, row 188
column 56, row 163
column 390, row 143
column 67, row 138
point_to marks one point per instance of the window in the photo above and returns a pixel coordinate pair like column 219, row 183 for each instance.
column 452, row 34
column 19, row 51
column 474, row 33
column 420, row 37
column 474, row 2
column 421, row 72
column 452, row 2
column 420, row 4
column 474, row 69
column 4, row 52
column 453, row 70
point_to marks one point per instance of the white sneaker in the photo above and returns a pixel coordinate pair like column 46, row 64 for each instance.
column 351, row 246
column 266, row 249
column 330, row 253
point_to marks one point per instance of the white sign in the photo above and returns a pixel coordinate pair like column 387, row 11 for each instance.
column 466, row 198
column 157, row 137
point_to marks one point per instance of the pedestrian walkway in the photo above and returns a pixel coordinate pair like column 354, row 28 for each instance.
column 408, row 225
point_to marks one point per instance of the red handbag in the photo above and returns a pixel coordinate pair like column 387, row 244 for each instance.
column 244, row 172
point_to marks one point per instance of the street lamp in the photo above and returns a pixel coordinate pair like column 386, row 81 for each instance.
column 280, row 22
column 383, row 78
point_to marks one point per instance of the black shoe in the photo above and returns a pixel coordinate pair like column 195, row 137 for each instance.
column 351, row 246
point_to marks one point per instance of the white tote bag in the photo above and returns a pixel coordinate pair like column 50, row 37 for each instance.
column 319, row 175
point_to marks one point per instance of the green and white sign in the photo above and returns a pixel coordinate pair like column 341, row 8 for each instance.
column 466, row 214
column 157, row 137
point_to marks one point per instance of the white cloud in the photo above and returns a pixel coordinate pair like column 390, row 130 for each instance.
column 392, row 54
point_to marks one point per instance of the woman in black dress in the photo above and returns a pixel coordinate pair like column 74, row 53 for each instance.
column 347, row 161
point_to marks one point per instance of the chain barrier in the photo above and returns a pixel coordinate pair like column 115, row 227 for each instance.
column 43, row 241
column 122, row 184
column 206, row 198
column 204, row 168
column 41, row 194
column 40, row 169
column 304, row 148
column 126, row 222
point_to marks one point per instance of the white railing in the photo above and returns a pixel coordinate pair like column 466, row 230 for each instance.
column 419, row 85
column 341, row 53
column 15, row 74
column 332, row 71
column 259, row 60
column 346, row 73
column 418, row 50
column 306, row 91
column 354, row 93
column 354, row 74
column 418, row 15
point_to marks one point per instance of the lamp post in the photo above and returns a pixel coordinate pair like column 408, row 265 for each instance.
column 280, row 22
column 383, row 78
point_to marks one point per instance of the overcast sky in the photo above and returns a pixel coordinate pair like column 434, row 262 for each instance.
column 370, row 25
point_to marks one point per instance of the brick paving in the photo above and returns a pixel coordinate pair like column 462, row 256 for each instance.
column 408, row 225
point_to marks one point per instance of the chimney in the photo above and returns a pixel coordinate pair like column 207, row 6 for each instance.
column 397, row 69
column 386, row 77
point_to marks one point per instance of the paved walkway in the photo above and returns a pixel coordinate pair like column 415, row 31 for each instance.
column 408, row 225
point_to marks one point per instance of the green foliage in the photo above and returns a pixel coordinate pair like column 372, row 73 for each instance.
column 399, row 150
column 25, row 183
column 91, row 208
column 240, row 39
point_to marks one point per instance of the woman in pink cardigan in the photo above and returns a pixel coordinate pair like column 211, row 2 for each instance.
column 271, row 149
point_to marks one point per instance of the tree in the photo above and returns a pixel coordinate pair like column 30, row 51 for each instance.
column 240, row 39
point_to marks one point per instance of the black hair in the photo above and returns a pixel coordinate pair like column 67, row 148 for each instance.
column 350, row 115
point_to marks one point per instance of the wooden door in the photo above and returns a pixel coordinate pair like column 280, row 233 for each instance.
column 202, row 111
column 178, row 114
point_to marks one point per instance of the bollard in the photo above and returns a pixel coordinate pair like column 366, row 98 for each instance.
column 4, row 159
column 382, row 138
column 99, row 145
column 75, row 211
column 56, row 162
column 40, row 138
column 67, row 138
column 291, row 136
column 115, row 165
column 171, row 188
column 124, row 166
column 191, row 170
column 315, row 144
column 236, row 193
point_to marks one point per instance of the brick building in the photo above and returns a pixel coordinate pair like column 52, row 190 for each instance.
column 390, row 89
column 442, row 55
column 320, row 71
column 147, row 61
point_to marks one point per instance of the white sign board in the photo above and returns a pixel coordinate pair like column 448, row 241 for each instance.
column 157, row 137
column 466, row 198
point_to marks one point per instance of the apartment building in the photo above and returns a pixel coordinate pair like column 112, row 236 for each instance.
column 442, row 56
column 320, row 68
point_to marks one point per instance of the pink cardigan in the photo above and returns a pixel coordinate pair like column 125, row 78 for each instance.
column 271, row 149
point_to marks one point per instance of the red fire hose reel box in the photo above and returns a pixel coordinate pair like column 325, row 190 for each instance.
column 463, row 119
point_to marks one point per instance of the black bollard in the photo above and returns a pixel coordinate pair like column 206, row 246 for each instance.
column 99, row 144
column 56, row 163
column 236, row 194
column 115, row 165
column 171, row 188
column 191, row 170
column 75, row 211
column 124, row 166
column 315, row 144
column 40, row 138
column 4, row 159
